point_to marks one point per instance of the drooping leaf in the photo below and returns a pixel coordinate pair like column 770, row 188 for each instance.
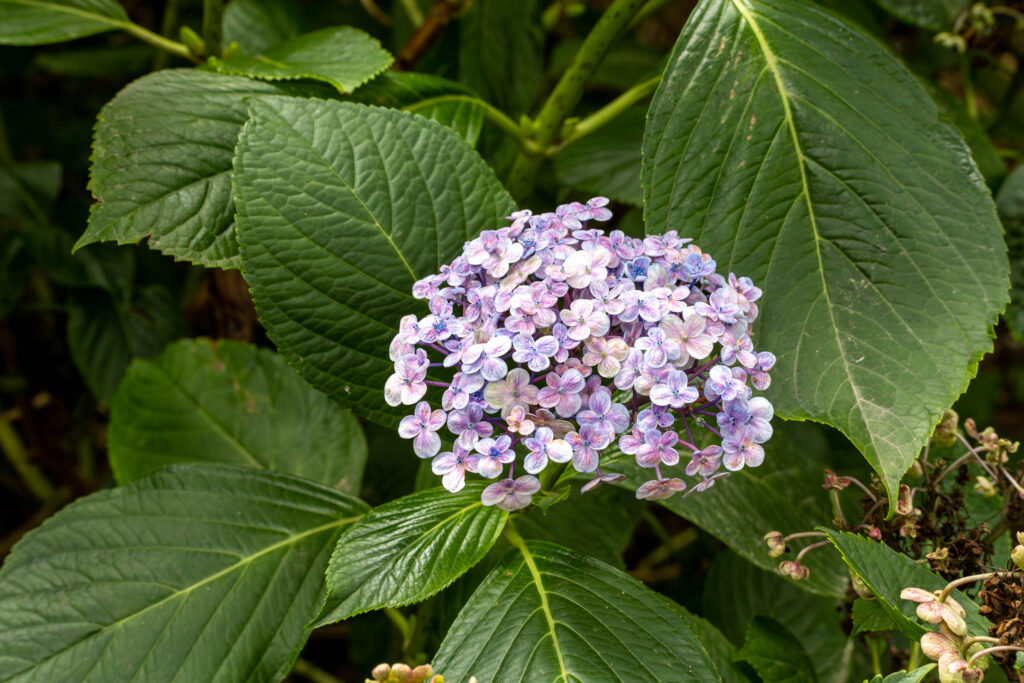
column 775, row 653
column 206, row 402
column 501, row 52
column 205, row 573
column 607, row 162
column 37, row 22
column 1010, row 201
column 341, row 208
column 447, row 102
column 343, row 56
column 887, row 572
column 871, row 615
column 867, row 226
column 550, row 614
column 737, row 591
column 935, row 15
column 162, row 164
column 259, row 24
column 407, row 550
column 106, row 332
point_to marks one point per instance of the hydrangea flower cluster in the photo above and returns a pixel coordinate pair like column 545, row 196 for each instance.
column 564, row 341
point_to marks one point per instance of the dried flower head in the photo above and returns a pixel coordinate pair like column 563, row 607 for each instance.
column 553, row 341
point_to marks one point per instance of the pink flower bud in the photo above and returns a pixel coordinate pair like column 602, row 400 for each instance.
column 776, row 546
column 935, row 645
column 793, row 570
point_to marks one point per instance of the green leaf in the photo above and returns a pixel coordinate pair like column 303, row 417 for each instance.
column 501, row 52
column 447, row 102
column 37, row 22
column 887, row 572
column 550, row 614
column 737, row 591
column 258, row 24
column 799, row 152
column 204, row 573
column 205, row 401
column 991, row 165
column 106, row 332
column 775, row 653
column 914, row 676
column 777, row 496
column 871, row 615
column 599, row 523
column 1010, row 201
column 343, row 56
column 28, row 187
column 718, row 647
column 161, row 164
column 407, row 550
column 935, row 15
column 607, row 162
column 341, row 208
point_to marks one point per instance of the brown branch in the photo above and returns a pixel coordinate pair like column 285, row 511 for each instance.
column 441, row 12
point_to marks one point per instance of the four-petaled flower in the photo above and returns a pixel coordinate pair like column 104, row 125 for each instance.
column 422, row 428
column 604, row 414
column 514, row 390
column 586, row 444
column 542, row 447
column 659, row 489
column 674, row 392
column 562, row 392
column 657, row 449
column 511, row 494
column 453, row 465
column 493, row 454
column 583, row 321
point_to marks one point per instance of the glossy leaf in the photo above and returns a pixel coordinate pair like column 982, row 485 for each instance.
column 37, row 22
column 341, row 208
column 259, row 24
column 870, row 615
column 205, row 573
column 935, row 15
column 737, row 591
column 775, row 653
column 607, row 162
column 447, row 102
column 1010, row 201
column 106, row 332
column 718, row 647
column 162, row 164
column 343, row 56
column 207, row 402
column 550, row 614
column 407, row 550
column 799, row 152
column 887, row 572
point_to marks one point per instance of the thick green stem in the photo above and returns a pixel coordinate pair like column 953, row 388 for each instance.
column 213, row 36
column 17, row 456
column 567, row 93
column 492, row 114
column 155, row 39
column 608, row 112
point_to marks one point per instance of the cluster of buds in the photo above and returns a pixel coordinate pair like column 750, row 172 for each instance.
column 563, row 341
column 961, row 658
column 777, row 547
column 997, row 449
column 403, row 673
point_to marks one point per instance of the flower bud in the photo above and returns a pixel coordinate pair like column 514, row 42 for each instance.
column 860, row 588
column 381, row 672
column 904, row 501
column 1017, row 555
column 935, row 645
column 794, row 570
column 985, row 486
column 401, row 673
column 776, row 546
column 834, row 481
column 947, row 674
column 875, row 533
column 981, row 662
column 945, row 432
column 421, row 673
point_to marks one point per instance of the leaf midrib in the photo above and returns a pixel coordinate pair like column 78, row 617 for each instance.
column 56, row 7
column 771, row 63
column 185, row 591
column 545, row 607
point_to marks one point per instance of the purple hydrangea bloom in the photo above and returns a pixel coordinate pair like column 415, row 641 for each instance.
column 550, row 340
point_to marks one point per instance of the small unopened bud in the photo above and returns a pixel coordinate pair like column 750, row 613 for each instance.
column 794, row 570
column 776, row 545
column 381, row 672
column 946, row 663
column 1017, row 555
column 402, row 673
column 421, row 673
column 935, row 645
column 971, row 427
column 938, row 557
column 904, row 501
column 860, row 588
column 875, row 533
column 945, row 432
column 834, row 481
column 1020, row 537
column 985, row 486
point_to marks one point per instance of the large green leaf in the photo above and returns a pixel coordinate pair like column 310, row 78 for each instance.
column 37, row 22
column 343, row 56
column 501, row 52
column 199, row 573
column 162, row 164
column 1010, row 201
column 409, row 549
column 775, row 653
column 887, row 572
column 936, row 15
column 718, row 647
column 106, row 332
column 798, row 151
column 905, row 676
column 550, row 614
column 228, row 402
column 259, row 24
column 736, row 591
column 447, row 102
column 341, row 208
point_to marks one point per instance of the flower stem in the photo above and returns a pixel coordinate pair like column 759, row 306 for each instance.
column 17, row 456
column 971, row 579
column 568, row 91
column 608, row 112
column 800, row 555
column 155, row 39
column 990, row 650
column 213, row 15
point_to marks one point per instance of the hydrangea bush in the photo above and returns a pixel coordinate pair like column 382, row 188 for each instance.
column 557, row 341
